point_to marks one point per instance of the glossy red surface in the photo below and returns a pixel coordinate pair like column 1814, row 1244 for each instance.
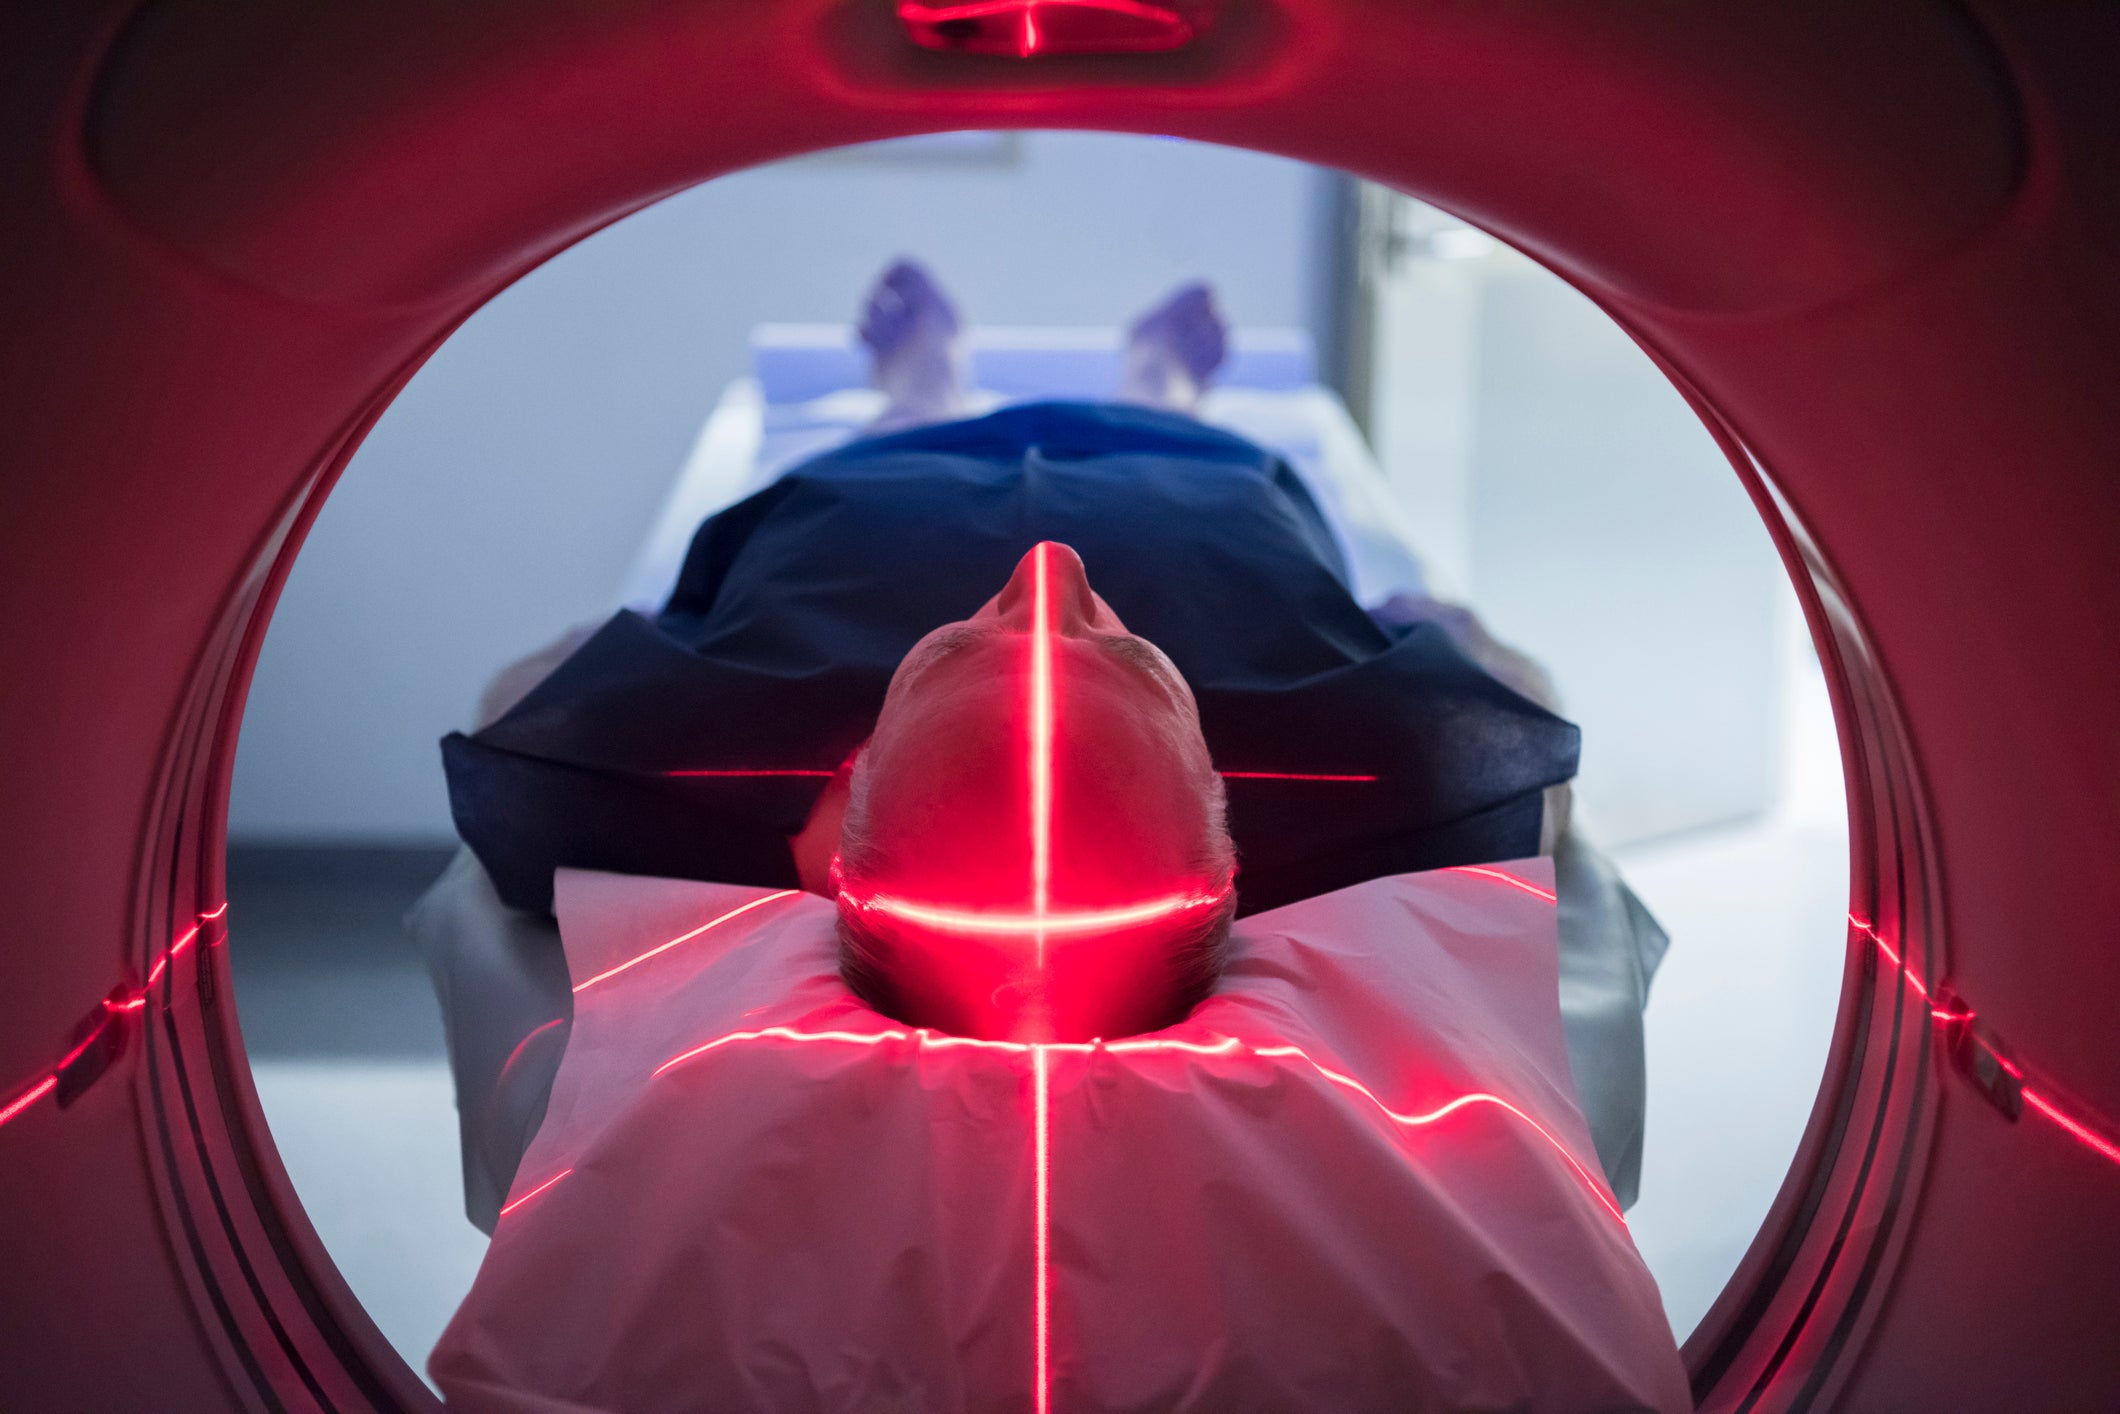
column 1874, row 244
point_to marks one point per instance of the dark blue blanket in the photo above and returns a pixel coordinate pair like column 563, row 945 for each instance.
column 795, row 605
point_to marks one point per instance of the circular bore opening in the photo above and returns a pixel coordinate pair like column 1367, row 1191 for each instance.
column 1654, row 854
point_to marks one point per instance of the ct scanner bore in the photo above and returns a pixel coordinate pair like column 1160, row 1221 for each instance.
column 1872, row 244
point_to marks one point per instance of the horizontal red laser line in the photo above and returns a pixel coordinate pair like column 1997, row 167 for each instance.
column 1505, row 877
column 1286, row 776
column 517, row 1203
column 776, row 772
column 78, row 1051
column 29, row 1097
column 1228, row 1045
column 959, row 920
column 1042, row 1223
column 657, row 951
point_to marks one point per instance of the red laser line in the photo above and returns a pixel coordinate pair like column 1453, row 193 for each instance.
column 29, row 1097
column 1226, row 1046
column 784, row 1033
column 1286, row 776
column 1041, row 1135
column 154, row 974
column 1041, row 752
column 1038, row 924
column 511, row 1207
column 517, row 1054
column 2084, row 1134
column 1478, row 1097
column 1042, row 1225
column 80, row 1050
column 1503, row 876
column 609, row 973
column 136, row 1002
column 774, row 772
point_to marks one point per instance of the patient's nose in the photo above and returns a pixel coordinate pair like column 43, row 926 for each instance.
column 1073, row 607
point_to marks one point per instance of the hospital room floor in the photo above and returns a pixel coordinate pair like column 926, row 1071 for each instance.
column 346, row 1046
column 346, row 1043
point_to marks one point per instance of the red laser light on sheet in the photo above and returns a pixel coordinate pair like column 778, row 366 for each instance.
column 174, row 950
column 1224, row 1046
column 1041, row 1226
column 1041, row 1129
column 1228, row 1045
column 542, row 1187
column 1591, row 1184
column 2083, row 1133
column 1505, row 877
column 524, row 1044
column 738, row 912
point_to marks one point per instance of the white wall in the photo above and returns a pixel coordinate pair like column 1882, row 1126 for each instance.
column 1561, row 484
column 500, row 497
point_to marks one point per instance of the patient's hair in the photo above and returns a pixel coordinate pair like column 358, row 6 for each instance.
column 1194, row 950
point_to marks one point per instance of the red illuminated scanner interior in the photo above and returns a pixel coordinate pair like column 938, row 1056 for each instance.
column 1027, row 28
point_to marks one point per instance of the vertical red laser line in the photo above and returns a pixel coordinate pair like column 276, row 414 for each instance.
column 1041, row 762
column 1042, row 1227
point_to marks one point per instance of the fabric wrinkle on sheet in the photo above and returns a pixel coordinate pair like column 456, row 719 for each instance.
column 847, row 1224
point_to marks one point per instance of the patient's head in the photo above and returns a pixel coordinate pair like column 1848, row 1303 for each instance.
column 1035, row 845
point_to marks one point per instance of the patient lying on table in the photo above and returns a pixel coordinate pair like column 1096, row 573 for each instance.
column 1029, row 815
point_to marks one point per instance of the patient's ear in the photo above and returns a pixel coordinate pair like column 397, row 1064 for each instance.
column 816, row 844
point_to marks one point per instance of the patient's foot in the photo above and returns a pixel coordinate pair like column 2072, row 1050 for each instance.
column 1172, row 351
column 912, row 331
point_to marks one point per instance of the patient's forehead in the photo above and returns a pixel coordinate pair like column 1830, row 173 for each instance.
column 949, row 795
